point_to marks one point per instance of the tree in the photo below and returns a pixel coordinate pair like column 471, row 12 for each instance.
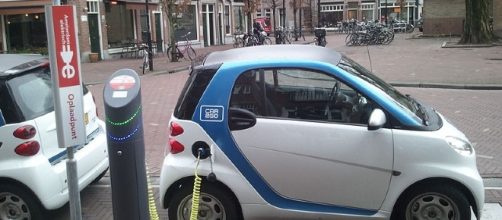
column 173, row 10
column 250, row 6
column 476, row 25
column 274, row 4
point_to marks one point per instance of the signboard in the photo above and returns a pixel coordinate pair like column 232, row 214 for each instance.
column 211, row 113
column 65, row 68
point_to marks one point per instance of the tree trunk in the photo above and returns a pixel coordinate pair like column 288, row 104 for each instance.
column 476, row 24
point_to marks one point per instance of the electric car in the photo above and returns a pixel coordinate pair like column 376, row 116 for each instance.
column 32, row 165
column 304, row 132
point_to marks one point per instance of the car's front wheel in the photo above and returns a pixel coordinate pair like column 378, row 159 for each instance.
column 215, row 203
column 433, row 202
column 17, row 204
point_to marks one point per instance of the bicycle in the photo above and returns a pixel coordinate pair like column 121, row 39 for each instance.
column 238, row 39
column 186, row 51
column 298, row 34
column 146, row 59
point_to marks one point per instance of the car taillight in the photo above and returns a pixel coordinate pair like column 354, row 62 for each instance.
column 28, row 148
column 176, row 129
column 176, row 147
column 25, row 132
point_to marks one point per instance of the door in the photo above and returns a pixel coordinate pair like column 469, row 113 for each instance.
column 311, row 144
column 208, row 24
column 93, row 20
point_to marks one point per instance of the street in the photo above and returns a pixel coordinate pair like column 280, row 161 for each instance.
column 410, row 62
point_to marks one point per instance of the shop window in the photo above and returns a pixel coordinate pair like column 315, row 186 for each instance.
column 227, row 19
column 119, row 25
column 187, row 23
column 239, row 16
column 26, row 33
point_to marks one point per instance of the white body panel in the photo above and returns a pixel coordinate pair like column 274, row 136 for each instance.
column 346, row 165
column 45, row 179
column 418, row 155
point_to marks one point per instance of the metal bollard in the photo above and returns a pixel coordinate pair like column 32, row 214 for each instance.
column 126, row 147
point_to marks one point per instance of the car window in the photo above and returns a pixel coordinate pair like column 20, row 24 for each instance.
column 299, row 94
column 32, row 93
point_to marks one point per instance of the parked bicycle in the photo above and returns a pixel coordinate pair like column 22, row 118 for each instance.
column 146, row 59
column 320, row 37
column 298, row 33
column 371, row 36
column 251, row 39
column 186, row 50
column 281, row 37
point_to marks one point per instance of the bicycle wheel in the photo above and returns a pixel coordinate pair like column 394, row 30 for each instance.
column 169, row 53
column 146, row 63
column 267, row 41
column 350, row 39
column 238, row 42
column 191, row 53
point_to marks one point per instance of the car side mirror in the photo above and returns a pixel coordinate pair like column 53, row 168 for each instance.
column 377, row 119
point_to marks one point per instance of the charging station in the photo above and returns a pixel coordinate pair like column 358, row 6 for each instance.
column 126, row 147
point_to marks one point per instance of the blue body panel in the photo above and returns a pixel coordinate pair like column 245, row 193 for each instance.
column 218, row 94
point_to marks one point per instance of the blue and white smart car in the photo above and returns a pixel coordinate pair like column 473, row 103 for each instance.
column 303, row 132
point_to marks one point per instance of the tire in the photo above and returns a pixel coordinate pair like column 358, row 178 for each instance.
column 169, row 53
column 191, row 53
column 267, row 41
column 238, row 42
column 146, row 64
column 432, row 202
column 349, row 39
column 215, row 202
column 17, row 204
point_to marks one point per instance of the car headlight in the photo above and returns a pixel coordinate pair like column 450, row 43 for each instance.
column 459, row 145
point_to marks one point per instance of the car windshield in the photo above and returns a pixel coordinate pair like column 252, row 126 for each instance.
column 404, row 101
column 32, row 93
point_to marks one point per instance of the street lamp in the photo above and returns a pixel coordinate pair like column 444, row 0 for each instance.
column 148, row 37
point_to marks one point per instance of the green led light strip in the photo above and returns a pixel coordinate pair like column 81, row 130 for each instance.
column 126, row 121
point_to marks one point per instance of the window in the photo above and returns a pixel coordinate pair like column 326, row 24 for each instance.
column 25, row 33
column 187, row 23
column 119, row 25
column 299, row 94
column 227, row 19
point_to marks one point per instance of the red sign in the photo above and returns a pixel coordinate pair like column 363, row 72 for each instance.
column 66, row 46
column 122, row 82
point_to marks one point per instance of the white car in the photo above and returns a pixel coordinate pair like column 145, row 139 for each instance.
column 303, row 132
column 32, row 165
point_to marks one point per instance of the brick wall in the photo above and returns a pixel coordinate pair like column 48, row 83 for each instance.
column 443, row 17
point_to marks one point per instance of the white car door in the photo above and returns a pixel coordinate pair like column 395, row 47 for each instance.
column 310, row 142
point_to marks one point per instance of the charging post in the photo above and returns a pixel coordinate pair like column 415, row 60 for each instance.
column 126, row 147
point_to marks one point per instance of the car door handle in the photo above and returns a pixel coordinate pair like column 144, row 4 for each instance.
column 240, row 119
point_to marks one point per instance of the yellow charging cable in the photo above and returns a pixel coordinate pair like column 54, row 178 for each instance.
column 151, row 201
column 196, row 192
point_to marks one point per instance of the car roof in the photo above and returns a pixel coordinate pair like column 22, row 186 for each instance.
column 8, row 62
column 274, row 52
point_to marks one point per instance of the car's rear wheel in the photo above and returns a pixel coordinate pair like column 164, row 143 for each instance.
column 215, row 203
column 16, row 204
column 432, row 202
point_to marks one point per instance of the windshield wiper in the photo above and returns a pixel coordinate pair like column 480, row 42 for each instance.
column 420, row 109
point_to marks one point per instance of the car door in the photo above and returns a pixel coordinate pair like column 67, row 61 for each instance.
column 310, row 144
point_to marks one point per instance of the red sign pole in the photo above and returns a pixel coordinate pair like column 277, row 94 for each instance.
column 64, row 55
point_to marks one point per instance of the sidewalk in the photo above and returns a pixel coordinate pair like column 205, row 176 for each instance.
column 407, row 61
